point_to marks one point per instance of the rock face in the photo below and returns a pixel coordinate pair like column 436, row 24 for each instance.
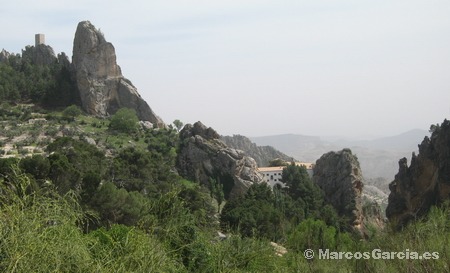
column 425, row 182
column 339, row 175
column 203, row 155
column 262, row 154
column 103, row 89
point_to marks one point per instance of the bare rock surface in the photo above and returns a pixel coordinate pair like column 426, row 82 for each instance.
column 426, row 182
column 262, row 154
column 203, row 155
column 339, row 175
column 4, row 56
column 103, row 89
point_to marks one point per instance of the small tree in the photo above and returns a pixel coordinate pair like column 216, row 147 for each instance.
column 278, row 162
column 71, row 112
column 178, row 124
column 216, row 189
column 125, row 120
column 302, row 189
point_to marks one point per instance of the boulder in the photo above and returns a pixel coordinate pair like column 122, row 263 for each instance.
column 103, row 89
column 426, row 182
column 203, row 156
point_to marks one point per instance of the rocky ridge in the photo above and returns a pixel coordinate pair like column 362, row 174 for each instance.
column 262, row 154
column 4, row 55
column 426, row 182
column 203, row 155
column 103, row 89
column 40, row 54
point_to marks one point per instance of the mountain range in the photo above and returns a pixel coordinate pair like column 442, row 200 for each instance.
column 378, row 157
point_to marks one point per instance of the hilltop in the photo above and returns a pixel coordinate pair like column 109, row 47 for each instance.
column 93, row 80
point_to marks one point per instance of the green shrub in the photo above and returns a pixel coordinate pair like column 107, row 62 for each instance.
column 125, row 121
column 71, row 112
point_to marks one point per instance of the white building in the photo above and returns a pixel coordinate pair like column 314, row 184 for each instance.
column 273, row 175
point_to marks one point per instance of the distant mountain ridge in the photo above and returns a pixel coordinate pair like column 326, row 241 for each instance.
column 404, row 141
column 262, row 154
column 378, row 157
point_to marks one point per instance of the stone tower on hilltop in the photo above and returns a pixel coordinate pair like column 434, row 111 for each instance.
column 39, row 39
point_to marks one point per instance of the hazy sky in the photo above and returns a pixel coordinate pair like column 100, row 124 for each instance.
column 317, row 67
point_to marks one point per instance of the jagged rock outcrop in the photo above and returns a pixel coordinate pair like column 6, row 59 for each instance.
column 103, row 89
column 203, row 155
column 426, row 182
column 339, row 175
column 64, row 60
column 4, row 56
column 262, row 154
column 40, row 54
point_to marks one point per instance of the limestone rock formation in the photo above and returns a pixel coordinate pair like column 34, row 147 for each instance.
column 4, row 55
column 339, row 175
column 40, row 54
column 262, row 154
column 425, row 182
column 203, row 155
column 103, row 89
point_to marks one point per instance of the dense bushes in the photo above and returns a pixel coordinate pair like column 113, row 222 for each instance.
column 254, row 215
column 40, row 232
column 124, row 120
column 51, row 85
column 273, row 214
column 81, row 211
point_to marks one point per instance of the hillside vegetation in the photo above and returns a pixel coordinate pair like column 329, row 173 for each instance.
column 91, row 198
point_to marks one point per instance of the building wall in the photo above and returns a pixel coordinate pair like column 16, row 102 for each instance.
column 39, row 39
column 273, row 175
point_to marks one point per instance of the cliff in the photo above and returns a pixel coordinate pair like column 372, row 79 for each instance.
column 203, row 155
column 426, row 182
column 103, row 89
column 262, row 154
